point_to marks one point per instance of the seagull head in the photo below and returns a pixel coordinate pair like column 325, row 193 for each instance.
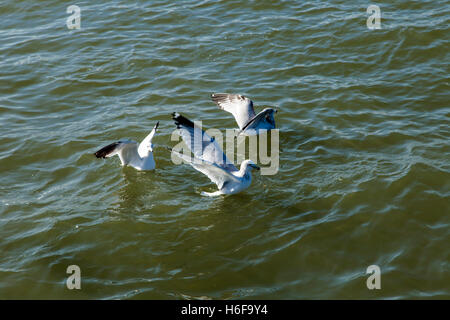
column 270, row 115
column 248, row 165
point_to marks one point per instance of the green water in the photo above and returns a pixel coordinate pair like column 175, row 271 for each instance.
column 364, row 173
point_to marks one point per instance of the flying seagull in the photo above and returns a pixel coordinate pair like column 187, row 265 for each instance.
column 210, row 160
column 138, row 156
column 241, row 108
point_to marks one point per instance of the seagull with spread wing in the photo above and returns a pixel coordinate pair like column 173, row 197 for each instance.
column 210, row 160
column 241, row 108
column 138, row 156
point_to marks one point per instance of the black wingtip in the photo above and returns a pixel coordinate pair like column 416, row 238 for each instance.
column 103, row 152
column 98, row 154
column 181, row 121
column 217, row 97
column 156, row 125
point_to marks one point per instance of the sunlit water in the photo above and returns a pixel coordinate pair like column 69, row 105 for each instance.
column 364, row 150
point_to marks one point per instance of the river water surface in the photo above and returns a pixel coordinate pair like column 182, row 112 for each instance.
column 364, row 176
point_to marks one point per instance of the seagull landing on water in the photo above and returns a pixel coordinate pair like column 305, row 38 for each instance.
column 138, row 156
column 242, row 109
column 210, row 160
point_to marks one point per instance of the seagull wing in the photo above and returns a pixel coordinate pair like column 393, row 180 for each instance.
column 214, row 172
column 201, row 144
column 146, row 144
column 263, row 120
column 125, row 149
column 241, row 107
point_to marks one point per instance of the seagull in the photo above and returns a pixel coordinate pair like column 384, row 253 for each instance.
column 210, row 160
column 241, row 108
column 138, row 156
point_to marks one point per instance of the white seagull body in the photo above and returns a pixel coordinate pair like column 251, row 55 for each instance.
column 138, row 156
column 242, row 109
column 210, row 160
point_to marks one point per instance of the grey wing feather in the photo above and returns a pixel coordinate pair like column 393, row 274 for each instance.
column 214, row 172
column 263, row 120
column 240, row 106
column 201, row 144
column 125, row 149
